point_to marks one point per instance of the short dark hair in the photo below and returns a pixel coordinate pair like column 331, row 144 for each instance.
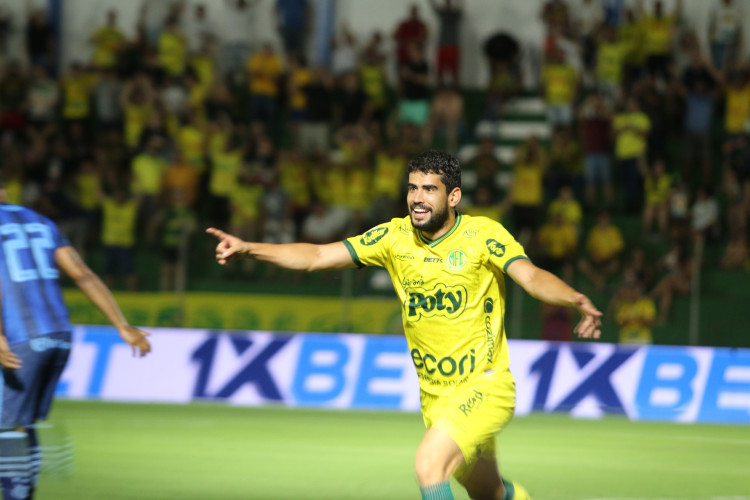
column 438, row 162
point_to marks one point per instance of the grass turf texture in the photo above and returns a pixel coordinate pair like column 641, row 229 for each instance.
column 205, row 451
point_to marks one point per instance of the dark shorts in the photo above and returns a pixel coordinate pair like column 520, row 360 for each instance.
column 118, row 259
column 170, row 254
column 696, row 147
column 28, row 391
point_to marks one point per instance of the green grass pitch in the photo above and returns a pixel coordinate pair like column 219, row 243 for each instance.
column 206, row 451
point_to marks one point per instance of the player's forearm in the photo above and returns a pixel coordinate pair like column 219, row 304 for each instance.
column 101, row 297
column 548, row 288
column 295, row 256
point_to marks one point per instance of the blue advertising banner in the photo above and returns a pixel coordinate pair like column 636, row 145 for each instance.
column 587, row 380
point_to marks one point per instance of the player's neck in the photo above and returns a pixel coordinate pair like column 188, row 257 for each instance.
column 449, row 223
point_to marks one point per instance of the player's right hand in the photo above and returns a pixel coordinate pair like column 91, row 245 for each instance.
column 8, row 358
column 136, row 339
column 590, row 325
column 229, row 247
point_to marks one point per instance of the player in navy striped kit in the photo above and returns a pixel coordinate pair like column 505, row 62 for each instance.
column 35, row 333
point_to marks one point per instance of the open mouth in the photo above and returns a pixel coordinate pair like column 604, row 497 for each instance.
column 419, row 212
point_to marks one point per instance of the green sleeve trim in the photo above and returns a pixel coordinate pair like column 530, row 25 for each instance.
column 353, row 254
column 505, row 267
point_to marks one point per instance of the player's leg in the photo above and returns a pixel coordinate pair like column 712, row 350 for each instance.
column 56, row 452
column 485, row 415
column 15, row 465
column 438, row 456
column 484, row 482
column 27, row 396
column 18, row 392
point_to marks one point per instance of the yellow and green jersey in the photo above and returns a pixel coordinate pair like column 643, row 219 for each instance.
column 107, row 41
column 389, row 175
column 635, row 319
column 76, row 95
column 610, row 57
column 560, row 83
column 452, row 293
column 136, row 117
column 631, row 128
column 172, row 49
column 118, row 222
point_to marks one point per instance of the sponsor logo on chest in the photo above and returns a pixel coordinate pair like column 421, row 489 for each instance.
column 442, row 300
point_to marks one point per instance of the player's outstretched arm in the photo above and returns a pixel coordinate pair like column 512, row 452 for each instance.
column 295, row 256
column 547, row 287
column 98, row 293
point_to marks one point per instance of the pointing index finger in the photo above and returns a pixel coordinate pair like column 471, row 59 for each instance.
column 216, row 232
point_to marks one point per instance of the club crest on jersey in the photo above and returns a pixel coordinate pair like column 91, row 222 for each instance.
column 456, row 260
column 442, row 300
column 373, row 235
column 496, row 248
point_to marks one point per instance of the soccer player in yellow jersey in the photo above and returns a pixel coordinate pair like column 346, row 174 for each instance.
column 448, row 270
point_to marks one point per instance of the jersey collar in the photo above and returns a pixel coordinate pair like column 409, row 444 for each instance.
column 436, row 242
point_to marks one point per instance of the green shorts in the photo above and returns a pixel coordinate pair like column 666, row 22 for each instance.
column 414, row 112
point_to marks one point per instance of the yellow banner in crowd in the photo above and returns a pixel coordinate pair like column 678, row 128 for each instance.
column 246, row 312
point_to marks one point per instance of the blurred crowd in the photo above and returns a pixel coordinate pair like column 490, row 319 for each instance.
column 189, row 123
column 648, row 121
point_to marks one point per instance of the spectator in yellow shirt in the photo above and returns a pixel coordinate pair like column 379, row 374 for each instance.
column 172, row 49
column 107, row 42
column 632, row 33
column 604, row 246
column 631, row 128
column 299, row 76
column 76, row 89
column 634, row 313
column 177, row 221
column 560, row 88
column 482, row 204
column 181, row 177
column 119, row 215
column 202, row 64
column 558, row 243
column 264, row 70
column 660, row 32
column 245, row 199
column 388, row 179
column 191, row 139
column 737, row 108
column 89, row 193
column 226, row 165
column 568, row 207
column 657, row 186
column 610, row 63
column 527, row 192
column 565, row 163
column 137, row 99
column 147, row 172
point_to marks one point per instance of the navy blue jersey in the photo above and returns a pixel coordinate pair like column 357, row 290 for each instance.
column 32, row 303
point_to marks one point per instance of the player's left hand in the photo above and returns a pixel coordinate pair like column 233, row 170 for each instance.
column 590, row 325
column 136, row 339
column 8, row 359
